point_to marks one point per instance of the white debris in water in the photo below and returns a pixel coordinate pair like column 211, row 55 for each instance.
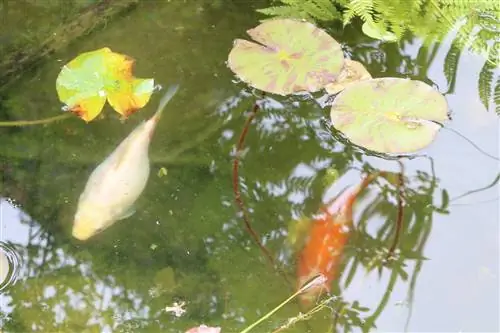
column 177, row 309
column 154, row 292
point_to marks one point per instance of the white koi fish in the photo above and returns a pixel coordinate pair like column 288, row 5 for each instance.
column 116, row 183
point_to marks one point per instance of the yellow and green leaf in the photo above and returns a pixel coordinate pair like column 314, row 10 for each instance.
column 86, row 82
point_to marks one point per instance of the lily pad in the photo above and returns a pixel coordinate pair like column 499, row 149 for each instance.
column 288, row 56
column 389, row 115
column 376, row 31
column 352, row 72
column 86, row 82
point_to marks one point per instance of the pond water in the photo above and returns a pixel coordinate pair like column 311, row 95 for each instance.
column 187, row 241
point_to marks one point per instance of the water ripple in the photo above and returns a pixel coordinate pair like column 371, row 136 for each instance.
column 10, row 264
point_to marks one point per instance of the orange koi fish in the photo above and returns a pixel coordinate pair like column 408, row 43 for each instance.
column 323, row 249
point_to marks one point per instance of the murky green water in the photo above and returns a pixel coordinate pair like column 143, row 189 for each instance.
column 187, row 242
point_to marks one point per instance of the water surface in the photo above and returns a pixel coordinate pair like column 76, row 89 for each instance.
column 187, row 242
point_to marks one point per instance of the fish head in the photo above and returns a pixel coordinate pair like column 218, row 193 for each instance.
column 312, row 294
column 90, row 221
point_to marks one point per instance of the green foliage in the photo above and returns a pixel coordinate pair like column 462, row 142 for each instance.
column 476, row 23
column 451, row 62
column 496, row 97
column 486, row 78
column 317, row 10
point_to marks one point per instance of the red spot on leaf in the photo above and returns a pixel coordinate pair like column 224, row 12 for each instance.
column 285, row 64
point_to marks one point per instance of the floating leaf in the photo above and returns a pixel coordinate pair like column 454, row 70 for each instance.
column 389, row 115
column 377, row 31
column 292, row 56
column 353, row 71
column 87, row 81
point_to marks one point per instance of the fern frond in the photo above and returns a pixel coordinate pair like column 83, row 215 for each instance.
column 496, row 98
column 312, row 10
column 284, row 12
column 485, row 84
column 468, row 4
column 451, row 63
column 361, row 8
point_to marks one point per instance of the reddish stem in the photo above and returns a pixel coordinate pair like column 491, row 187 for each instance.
column 236, row 190
column 399, row 221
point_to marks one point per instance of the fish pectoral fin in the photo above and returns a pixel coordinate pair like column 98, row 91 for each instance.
column 128, row 213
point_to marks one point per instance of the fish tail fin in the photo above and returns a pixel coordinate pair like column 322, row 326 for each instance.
column 172, row 90
column 361, row 186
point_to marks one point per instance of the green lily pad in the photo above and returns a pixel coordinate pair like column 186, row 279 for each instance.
column 87, row 81
column 376, row 31
column 389, row 115
column 289, row 56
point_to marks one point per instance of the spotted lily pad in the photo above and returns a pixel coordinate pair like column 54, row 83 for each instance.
column 288, row 56
column 352, row 72
column 86, row 82
column 389, row 115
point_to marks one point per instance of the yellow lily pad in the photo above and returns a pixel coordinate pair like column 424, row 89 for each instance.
column 86, row 82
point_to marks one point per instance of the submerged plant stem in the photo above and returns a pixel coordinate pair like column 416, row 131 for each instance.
column 493, row 183
column 316, row 280
column 236, row 189
column 469, row 141
column 399, row 221
column 20, row 123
